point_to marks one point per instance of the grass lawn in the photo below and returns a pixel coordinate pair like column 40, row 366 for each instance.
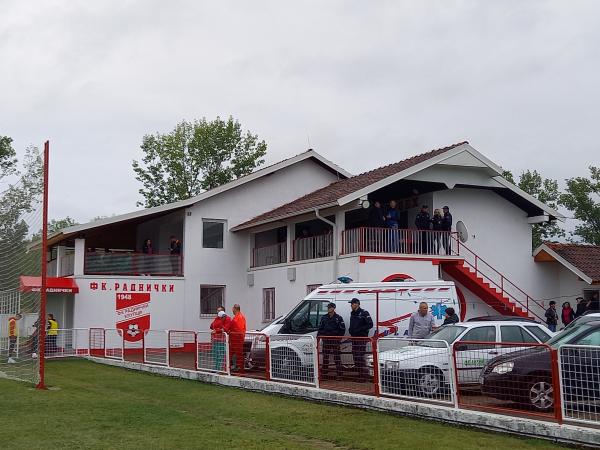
column 96, row 406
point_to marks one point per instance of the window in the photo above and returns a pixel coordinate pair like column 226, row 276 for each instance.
column 312, row 287
column 307, row 316
column 513, row 333
column 212, row 234
column 479, row 334
column 592, row 338
column 268, row 304
column 538, row 333
column 210, row 298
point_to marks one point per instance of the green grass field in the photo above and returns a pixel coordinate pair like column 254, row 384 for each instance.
column 94, row 406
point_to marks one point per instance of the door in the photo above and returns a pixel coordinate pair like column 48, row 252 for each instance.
column 470, row 358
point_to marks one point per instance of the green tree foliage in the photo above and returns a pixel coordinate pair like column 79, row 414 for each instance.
column 194, row 157
column 582, row 196
column 546, row 191
column 21, row 196
column 55, row 225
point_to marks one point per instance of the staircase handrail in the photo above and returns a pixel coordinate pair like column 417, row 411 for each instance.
column 503, row 279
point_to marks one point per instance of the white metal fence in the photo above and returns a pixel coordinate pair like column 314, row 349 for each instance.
column 113, row 343
column 579, row 369
column 415, row 368
column 156, row 347
column 293, row 358
column 70, row 342
column 213, row 351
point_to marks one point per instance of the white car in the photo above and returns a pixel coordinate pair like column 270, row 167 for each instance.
column 422, row 367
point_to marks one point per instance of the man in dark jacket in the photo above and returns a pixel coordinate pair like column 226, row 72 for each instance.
column 450, row 317
column 552, row 316
column 423, row 223
column 447, row 227
column 360, row 324
column 377, row 216
column 332, row 324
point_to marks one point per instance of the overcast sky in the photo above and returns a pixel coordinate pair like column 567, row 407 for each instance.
column 364, row 83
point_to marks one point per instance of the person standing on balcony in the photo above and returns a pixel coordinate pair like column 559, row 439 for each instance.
column 13, row 336
column 552, row 316
column 423, row 223
column 447, row 227
column 421, row 323
column 219, row 327
column 392, row 222
column 332, row 324
column 237, row 334
column 437, row 240
column 147, row 260
column 175, row 252
column 360, row 324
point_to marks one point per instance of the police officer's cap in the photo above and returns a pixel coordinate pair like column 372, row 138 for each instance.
column 331, row 305
column 354, row 300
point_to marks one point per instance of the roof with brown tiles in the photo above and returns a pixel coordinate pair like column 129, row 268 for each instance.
column 584, row 257
column 328, row 195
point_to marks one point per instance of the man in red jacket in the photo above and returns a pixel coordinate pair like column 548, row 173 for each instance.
column 220, row 326
column 237, row 332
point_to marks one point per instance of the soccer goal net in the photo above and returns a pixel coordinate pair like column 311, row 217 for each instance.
column 21, row 204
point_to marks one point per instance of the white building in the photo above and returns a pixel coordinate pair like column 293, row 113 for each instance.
column 266, row 239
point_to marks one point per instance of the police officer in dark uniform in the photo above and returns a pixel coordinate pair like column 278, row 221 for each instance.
column 332, row 324
column 423, row 223
column 447, row 227
column 360, row 324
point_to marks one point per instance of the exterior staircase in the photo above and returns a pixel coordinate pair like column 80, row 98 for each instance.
column 491, row 286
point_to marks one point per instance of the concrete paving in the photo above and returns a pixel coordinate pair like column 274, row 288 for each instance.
column 565, row 433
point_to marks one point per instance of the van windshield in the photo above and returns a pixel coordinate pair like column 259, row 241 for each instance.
column 448, row 333
column 307, row 316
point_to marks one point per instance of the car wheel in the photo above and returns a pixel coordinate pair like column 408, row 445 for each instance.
column 430, row 381
column 541, row 395
column 285, row 364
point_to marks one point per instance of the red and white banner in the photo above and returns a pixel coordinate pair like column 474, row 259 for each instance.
column 133, row 314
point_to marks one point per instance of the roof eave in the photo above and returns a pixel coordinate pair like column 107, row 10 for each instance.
column 283, row 217
column 564, row 262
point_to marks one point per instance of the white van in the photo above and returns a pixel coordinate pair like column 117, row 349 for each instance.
column 389, row 303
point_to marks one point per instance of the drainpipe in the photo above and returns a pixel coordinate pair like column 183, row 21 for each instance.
column 335, row 242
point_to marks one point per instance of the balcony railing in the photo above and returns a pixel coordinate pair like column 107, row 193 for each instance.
column 312, row 247
column 270, row 254
column 398, row 241
column 133, row 264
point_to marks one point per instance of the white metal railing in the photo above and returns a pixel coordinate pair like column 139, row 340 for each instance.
column 579, row 371
column 156, row 347
column 69, row 342
column 398, row 241
column 293, row 358
column 312, row 247
column 415, row 368
column 270, row 254
column 113, row 343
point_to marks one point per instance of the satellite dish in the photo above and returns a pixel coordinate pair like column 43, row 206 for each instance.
column 463, row 233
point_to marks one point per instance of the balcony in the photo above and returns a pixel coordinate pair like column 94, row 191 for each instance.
column 133, row 264
column 312, row 247
column 269, row 255
column 399, row 241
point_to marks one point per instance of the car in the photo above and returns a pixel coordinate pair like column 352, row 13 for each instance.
column 585, row 317
column 502, row 319
column 422, row 367
column 525, row 377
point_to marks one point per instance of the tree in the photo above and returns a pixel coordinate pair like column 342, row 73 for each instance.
column 582, row 197
column 55, row 225
column 194, row 157
column 546, row 191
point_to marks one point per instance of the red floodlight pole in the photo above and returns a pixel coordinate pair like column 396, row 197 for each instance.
column 42, row 321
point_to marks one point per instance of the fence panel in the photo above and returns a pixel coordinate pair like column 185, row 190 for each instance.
column 156, row 345
column 342, row 364
column 96, row 342
column 113, row 343
column 70, row 342
column 579, row 368
column 507, row 378
column 133, row 350
column 249, row 354
column 182, row 349
column 416, row 368
column 213, row 351
column 293, row 358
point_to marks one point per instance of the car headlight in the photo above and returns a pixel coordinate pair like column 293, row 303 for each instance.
column 391, row 365
column 504, row 367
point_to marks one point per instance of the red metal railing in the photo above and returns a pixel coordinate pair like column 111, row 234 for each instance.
column 398, row 241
